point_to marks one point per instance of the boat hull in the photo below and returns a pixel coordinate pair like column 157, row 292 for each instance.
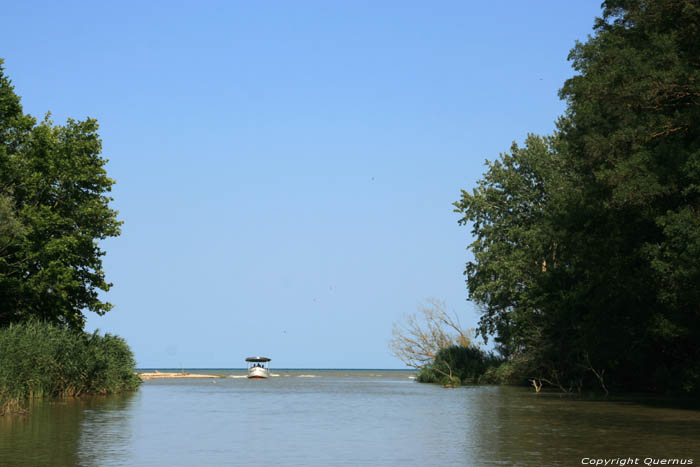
column 258, row 373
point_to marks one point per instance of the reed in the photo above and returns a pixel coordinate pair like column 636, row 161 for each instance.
column 42, row 360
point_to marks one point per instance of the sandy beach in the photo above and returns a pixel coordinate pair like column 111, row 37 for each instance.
column 158, row 375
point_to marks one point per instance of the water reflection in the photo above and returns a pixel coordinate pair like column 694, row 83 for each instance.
column 105, row 431
column 520, row 427
column 49, row 434
column 341, row 419
column 65, row 433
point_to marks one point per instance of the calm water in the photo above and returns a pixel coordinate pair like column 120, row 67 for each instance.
column 340, row 417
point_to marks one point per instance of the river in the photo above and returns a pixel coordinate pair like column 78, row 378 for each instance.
column 343, row 417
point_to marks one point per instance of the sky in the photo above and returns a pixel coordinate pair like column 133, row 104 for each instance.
column 286, row 171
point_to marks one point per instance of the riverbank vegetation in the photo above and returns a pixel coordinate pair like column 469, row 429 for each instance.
column 586, row 251
column 54, row 209
column 46, row 360
column 434, row 342
column 457, row 365
column 419, row 338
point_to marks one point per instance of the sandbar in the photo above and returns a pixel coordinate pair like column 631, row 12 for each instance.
column 159, row 375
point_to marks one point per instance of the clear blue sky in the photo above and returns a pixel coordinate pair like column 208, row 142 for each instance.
column 286, row 170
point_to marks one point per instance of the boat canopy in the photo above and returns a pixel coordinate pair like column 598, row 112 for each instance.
column 257, row 359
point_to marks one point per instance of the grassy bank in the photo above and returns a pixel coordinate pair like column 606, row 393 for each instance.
column 40, row 360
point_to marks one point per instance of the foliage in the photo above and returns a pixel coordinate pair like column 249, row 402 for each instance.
column 11, row 229
column 514, row 240
column 511, row 372
column 587, row 243
column 457, row 365
column 38, row 359
column 418, row 339
column 53, row 211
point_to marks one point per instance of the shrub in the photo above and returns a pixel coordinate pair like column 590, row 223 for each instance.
column 38, row 359
column 457, row 365
column 507, row 372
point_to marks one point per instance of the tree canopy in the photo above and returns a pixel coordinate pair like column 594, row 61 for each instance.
column 54, row 209
column 587, row 243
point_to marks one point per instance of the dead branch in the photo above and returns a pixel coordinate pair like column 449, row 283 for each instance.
column 600, row 375
column 418, row 339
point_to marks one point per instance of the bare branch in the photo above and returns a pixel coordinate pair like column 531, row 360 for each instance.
column 600, row 375
column 417, row 340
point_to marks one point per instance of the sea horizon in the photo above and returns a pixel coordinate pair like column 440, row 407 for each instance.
column 276, row 368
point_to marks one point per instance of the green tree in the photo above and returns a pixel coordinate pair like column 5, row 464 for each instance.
column 55, row 208
column 11, row 229
column 632, row 129
column 521, row 251
column 587, row 251
column 514, row 242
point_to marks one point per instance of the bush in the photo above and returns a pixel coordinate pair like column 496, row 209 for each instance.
column 507, row 372
column 38, row 359
column 457, row 365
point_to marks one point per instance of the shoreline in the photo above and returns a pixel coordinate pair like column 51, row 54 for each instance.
column 158, row 375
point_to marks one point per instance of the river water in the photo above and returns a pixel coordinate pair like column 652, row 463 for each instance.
column 343, row 417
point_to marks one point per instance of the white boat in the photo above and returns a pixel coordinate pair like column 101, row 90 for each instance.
column 258, row 367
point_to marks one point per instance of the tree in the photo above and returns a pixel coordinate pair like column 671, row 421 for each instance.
column 53, row 199
column 587, row 250
column 632, row 129
column 418, row 340
column 11, row 229
column 515, row 242
column 518, row 276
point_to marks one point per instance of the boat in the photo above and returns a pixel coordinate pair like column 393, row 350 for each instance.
column 258, row 367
